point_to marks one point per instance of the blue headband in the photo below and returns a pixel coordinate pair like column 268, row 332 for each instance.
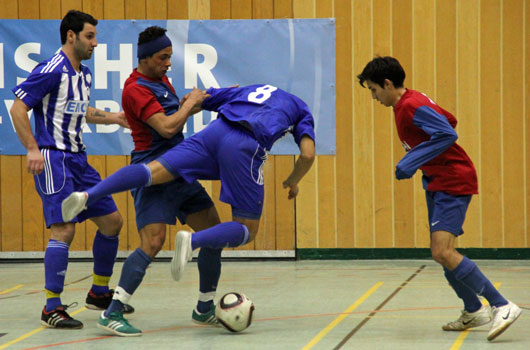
column 149, row 48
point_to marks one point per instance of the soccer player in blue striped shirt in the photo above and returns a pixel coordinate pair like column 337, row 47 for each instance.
column 58, row 91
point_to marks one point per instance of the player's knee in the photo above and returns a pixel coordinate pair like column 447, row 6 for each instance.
column 153, row 241
column 441, row 255
column 113, row 225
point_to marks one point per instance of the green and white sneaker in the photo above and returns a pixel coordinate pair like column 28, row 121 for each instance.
column 205, row 319
column 117, row 324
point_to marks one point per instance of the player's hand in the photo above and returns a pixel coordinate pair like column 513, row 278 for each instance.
column 196, row 96
column 293, row 189
column 35, row 162
column 121, row 120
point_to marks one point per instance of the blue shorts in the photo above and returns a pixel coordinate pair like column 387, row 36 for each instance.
column 64, row 173
column 447, row 212
column 166, row 202
column 228, row 152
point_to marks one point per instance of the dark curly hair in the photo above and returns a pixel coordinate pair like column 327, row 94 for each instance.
column 150, row 34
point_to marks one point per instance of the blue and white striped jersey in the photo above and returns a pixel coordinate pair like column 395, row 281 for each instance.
column 59, row 97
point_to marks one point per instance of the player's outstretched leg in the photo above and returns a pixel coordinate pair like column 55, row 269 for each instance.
column 227, row 234
column 131, row 176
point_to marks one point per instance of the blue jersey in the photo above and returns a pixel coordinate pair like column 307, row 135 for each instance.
column 59, row 97
column 268, row 112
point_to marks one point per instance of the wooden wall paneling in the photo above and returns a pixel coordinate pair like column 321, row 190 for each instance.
column 489, row 165
column 9, row 10
column 241, row 9
column 307, row 199
column 114, row 9
column 50, row 9
column 67, row 5
column 262, row 9
column 135, row 9
column 363, row 194
column 513, row 122
column 283, row 9
column 424, row 65
column 468, row 104
column 383, row 132
column 156, row 9
column 11, row 198
column 220, row 9
column 93, row 7
column 403, row 190
column 446, row 55
column 527, row 118
column 28, row 9
column 326, row 186
column 344, row 119
column 177, row 9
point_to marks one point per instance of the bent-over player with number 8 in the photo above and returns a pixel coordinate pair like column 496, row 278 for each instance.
column 233, row 148
column 449, row 178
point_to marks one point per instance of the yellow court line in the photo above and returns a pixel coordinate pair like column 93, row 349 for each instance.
column 35, row 331
column 463, row 335
column 11, row 289
column 341, row 317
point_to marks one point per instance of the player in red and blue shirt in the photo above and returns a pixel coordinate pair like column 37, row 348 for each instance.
column 449, row 178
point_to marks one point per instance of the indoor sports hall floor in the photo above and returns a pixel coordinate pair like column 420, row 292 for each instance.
column 384, row 304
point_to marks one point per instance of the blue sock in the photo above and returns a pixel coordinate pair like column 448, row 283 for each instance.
column 128, row 177
column 209, row 264
column 55, row 265
column 104, row 250
column 132, row 274
column 227, row 234
column 471, row 301
column 469, row 274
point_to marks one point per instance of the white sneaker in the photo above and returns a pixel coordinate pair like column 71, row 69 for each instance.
column 503, row 317
column 469, row 320
column 181, row 255
column 73, row 205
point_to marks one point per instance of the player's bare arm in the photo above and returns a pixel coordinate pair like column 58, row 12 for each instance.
column 302, row 166
column 35, row 160
column 169, row 126
column 97, row 116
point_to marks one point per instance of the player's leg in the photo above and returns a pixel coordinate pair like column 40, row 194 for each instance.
column 448, row 218
column 209, row 266
column 55, row 265
column 53, row 185
column 128, row 177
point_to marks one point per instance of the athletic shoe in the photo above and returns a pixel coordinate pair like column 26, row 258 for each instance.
column 59, row 318
column 181, row 255
column 503, row 317
column 207, row 318
column 102, row 302
column 469, row 320
column 73, row 205
column 117, row 324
